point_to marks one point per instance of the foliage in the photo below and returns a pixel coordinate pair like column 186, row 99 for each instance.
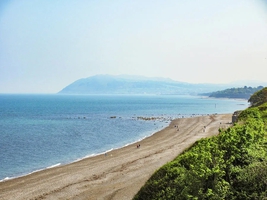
column 263, row 111
column 259, row 97
column 197, row 173
column 232, row 165
column 249, row 113
column 242, row 93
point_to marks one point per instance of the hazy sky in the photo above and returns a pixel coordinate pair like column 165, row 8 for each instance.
column 46, row 44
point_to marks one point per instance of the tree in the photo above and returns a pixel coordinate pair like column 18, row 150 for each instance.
column 259, row 97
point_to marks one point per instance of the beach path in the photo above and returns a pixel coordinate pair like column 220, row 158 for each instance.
column 119, row 174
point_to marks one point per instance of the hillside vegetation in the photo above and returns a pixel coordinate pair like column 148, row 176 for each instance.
column 241, row 93
column 232, row 165
column 258, row 97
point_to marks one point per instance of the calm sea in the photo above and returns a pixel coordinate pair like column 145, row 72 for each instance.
column 42, row 131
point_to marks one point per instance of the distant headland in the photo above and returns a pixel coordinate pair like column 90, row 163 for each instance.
column 137, row 85
column 235, row 93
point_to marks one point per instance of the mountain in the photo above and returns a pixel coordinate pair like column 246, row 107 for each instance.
column 126, row 84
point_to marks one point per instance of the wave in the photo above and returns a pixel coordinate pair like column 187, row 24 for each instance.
column 5, row 179
column 52, row 166
column 35, row 171
column 150, row 133
column 105, row 152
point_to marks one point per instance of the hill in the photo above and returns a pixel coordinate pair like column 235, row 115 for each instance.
column 125, row 84
column 239, row 93
column 232, row 165
column 258, row 97
column 107, row 84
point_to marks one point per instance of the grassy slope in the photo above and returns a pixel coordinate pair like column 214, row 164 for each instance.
column 232, row 165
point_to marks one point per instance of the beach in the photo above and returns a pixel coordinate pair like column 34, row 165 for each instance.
column 118, row 174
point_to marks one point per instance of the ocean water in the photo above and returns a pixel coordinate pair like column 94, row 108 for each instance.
column 42, row 131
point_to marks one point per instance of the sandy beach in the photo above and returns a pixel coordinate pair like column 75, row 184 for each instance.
column 118, row 174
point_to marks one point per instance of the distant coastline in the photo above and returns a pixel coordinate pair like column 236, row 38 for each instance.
column 234, row 93
column 139, row 85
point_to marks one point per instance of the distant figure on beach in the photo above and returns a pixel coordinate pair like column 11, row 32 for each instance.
column 138, row 146
column 176, row 126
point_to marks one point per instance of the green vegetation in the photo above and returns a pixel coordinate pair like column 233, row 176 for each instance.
column 241, row 93
column 259, row 97
column 232, row 165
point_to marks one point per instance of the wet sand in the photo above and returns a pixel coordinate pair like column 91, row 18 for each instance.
column 119, row 174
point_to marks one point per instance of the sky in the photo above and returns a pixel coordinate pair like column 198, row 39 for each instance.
column 45, row 45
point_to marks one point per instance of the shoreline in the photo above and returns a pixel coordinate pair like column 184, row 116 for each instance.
column 117, row 173
column 85, row 157
column 167, row 121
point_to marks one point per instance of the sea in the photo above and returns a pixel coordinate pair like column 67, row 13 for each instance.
column 44, row 131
